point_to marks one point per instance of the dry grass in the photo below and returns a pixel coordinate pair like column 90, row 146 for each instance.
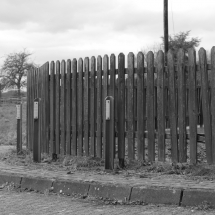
column 8, row 124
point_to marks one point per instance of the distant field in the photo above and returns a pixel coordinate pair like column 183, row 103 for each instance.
column 8, row 123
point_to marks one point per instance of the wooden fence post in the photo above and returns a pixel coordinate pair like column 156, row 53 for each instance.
column 19, row 128
column 205, row 104
column 36, row 143
column 109, row 135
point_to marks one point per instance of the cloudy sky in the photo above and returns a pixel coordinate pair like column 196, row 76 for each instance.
column 63, row 29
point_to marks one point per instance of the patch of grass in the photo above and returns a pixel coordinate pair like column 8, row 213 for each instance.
column 8, row 124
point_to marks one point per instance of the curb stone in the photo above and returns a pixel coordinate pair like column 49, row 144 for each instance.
column 149, row 194
column 112, row 192
column 196, row 197
column 37, row 184
column 71, row 187
column 156, row 195
column 6, row 178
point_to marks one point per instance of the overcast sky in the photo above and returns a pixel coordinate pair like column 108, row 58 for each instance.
column 66, row 29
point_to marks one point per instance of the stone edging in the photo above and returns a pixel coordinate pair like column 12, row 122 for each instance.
column 153, row 195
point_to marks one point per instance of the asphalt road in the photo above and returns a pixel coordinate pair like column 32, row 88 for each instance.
column 23, row 203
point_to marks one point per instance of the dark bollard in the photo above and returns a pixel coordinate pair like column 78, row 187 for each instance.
column 109, row 136
column 19, row 128
column 36, row 143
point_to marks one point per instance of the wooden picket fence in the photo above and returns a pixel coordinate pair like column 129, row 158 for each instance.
column 152, row 104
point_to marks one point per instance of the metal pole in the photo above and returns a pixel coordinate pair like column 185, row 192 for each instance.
column 166, row 35
column 109, row 136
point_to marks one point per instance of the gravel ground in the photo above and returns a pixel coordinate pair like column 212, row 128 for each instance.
column 23, row 203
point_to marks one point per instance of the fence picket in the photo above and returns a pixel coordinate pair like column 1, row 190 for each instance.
column 140, row 107
column 172, row 107
column 74, row 108
column 182, row 106
column 160, row 105
column 130, row 110
column 150, row 106
column 205, row 103
column 92, row 108
column 86, row 106
column 52, row 108
column 192, row 105
column 63, row 108
column 57, row 110
column 213, row 101
column 99, row 108
column 105, row 92
column 80, row 107
column 47, row 105
column 121, row 109
column 112, row 88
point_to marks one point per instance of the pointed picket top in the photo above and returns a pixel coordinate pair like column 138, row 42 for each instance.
column 150, row 56
column 160, row 58
column 170, row 57
column 121, row 58
column 213, row 57
column 191, row 56
column 140, row 59
column 180, row 56
column 202, row 57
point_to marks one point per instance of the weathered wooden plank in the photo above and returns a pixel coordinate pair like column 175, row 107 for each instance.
column 213, row 101
column 182, row 106
column 121, row 109
column 39, row 87
column 140, row 107
column 80, row 107
column 105, row 91
column 86, row 106
column 161, row 105
column 150, row 106
column 42, row 110
column 74, row 107
column 92, row 107
column 63, row 109
column 130, row 131
column 172, row 107
column 27, row 111
column 47, row 105
column 52, row 108
column 205, row 103
column 192, row 105
column 99, row 108
column 57, row 104
column 68, row 106
column 112, row 91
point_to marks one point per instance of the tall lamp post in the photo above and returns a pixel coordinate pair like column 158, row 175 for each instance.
column 165, row 19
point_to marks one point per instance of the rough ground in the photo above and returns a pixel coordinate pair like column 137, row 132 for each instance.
column 15, row 202
column 133, row 168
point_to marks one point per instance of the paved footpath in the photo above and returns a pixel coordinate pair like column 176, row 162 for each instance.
column 159, row 189
column 27, row 203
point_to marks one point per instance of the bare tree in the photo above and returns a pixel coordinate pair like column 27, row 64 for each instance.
column 14, row 70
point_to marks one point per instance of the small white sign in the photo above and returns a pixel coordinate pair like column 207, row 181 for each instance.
column 35, row 110
column 18, row 111
column 107, row 109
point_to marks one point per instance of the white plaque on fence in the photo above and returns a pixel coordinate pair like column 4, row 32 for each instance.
column 18, row 111
column 107, row 109
column 35, row 110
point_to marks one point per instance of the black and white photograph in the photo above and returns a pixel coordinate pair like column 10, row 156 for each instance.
column 107, row 107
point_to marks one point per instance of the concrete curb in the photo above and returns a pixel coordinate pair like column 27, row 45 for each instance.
column 120, row 193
